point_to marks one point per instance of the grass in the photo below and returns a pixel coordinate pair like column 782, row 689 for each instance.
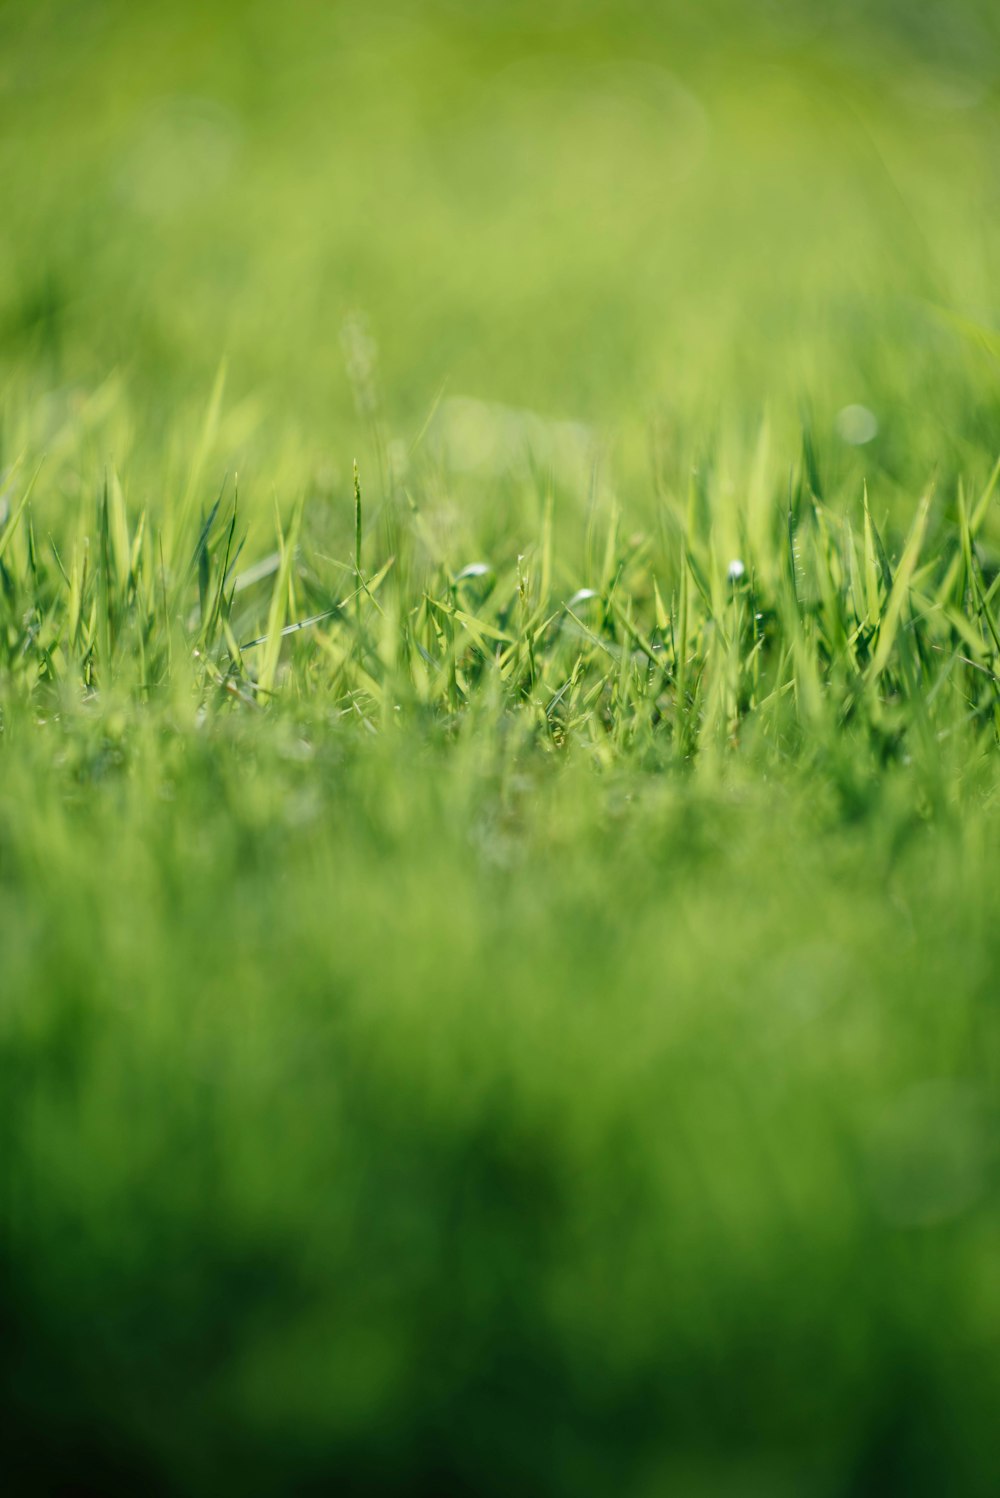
column 499, row 791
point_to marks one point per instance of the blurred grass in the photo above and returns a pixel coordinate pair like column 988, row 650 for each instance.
column 533, row 1028
column 593, row 213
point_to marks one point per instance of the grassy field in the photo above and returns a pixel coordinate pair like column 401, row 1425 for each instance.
column 499, row 776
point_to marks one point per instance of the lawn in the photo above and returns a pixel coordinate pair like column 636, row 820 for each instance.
column 499, row 727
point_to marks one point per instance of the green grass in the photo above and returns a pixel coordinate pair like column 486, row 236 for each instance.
column 493, row 996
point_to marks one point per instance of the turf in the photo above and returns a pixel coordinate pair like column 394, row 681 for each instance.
column 499, row 777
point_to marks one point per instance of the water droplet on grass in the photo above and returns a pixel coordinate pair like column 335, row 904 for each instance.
column 583, row 595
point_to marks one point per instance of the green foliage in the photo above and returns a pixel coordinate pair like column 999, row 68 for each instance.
column 809, row 637
column 498, row 937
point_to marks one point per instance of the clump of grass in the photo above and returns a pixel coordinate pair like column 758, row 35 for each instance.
column 818, row 630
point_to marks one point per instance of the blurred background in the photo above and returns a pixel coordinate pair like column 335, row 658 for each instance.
column 513, row 227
